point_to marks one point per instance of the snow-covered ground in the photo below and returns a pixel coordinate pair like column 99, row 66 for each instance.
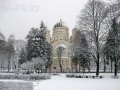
column 60, row 82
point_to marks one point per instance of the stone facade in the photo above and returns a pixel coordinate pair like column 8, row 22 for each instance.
column 60, row 37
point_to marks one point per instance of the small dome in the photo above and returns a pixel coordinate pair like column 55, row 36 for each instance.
column 59, row 24
column 2, row 37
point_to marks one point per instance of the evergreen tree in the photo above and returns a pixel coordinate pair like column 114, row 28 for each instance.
column 80, row 50
column 23, row 56
column 37, row 45
column 75, row 46
column 49, row 56
column 84, row 55
column 32, row 45
column 43, row 44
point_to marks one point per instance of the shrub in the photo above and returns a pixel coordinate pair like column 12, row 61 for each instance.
column 84, row 76
column 39, row 77
column 24, row 77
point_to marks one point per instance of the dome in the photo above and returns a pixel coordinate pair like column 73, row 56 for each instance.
column 59, row 24
column 2, row 37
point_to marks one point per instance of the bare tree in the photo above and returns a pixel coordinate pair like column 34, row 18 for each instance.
column 92, row 19
column 59, row 55
column 10, row 51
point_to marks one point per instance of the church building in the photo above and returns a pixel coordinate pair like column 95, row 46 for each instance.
column 60, row 38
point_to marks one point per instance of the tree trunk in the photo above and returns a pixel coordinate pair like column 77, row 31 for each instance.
column 79, row 67
column 115, row 68
column 46, row 67
column 60, row 68
column 76, row 68
column 59, row 61
column 17, row 66
column 72, row 67
column 104, row 69
column 83, row 69
column 8, row 63
column 41, row 70
column 104, row 66
column 111, row 66
column 89, row 68
column 116, row 55
column 49, row 69
column 97, row 71
column 97, row 53
column 2, row 60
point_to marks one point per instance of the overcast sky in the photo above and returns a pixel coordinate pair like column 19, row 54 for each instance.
column 18, row 16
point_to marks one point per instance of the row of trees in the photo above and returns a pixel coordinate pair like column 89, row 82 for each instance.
column 99, row 22
column 7, row 52
column 37, row 54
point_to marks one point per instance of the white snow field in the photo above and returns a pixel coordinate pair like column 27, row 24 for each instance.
column 60, row 82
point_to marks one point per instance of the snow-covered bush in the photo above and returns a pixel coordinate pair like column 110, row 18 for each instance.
column 39, row 77
column 83, row 76
column 13, row 76
column 25, row 77
column 27, row 66
column 31, row 65
column 16, row 85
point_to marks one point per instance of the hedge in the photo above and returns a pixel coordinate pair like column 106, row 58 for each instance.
column 25, row 77
column 83, row 76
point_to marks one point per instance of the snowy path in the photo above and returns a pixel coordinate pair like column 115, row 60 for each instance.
column 63, row 83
